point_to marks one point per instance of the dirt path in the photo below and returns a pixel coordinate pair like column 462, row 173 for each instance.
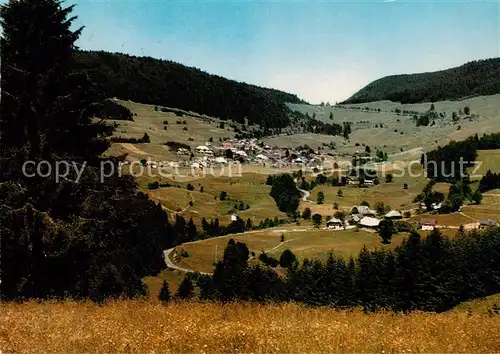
column 133, row 149
column 171, row 212
column 305, row 195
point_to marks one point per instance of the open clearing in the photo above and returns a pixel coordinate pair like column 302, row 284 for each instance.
column 304, row 241
column 137, row 326
column 490, row 160
column 250, row 189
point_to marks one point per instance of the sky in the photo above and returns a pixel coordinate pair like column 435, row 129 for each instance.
column 319, row 50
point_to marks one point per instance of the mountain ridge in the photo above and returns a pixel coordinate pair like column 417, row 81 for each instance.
column 162, row 82
column 475, row 78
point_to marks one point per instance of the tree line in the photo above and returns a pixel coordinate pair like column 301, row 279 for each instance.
column 443, row 163
column 161, row 82
column 434, row 273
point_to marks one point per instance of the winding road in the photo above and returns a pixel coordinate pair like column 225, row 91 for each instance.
column 305, row 196
column 170, row 264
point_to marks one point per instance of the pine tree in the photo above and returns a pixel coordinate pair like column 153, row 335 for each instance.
column 165, row 292
column 231, row 273
column 186, row 289
column 386, row 230
column 46, row 105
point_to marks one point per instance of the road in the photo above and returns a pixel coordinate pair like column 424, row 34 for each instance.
column 305, row 195
column 172, row 265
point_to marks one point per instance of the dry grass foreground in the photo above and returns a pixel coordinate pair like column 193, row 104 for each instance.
column 194, row 327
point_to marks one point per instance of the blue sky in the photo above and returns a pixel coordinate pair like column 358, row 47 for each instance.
column 322, row 51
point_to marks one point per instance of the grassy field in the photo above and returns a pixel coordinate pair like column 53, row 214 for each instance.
column 478, row 305
column 154, row 284
column 392, row 194
column 490, row 160
column 134, row 326
column 250, row 189
column 304, row 241
column 400, row 132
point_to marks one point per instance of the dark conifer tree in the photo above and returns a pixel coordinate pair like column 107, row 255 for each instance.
column 231, row 273
column 165, row 294
column 186, row 289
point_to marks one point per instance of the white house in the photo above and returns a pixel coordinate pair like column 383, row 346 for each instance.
column 334, row 223
column 428, row 224
column 394, row 215
column 220, row 160
column 362, row 210
column 369, row 222
column 202, row 148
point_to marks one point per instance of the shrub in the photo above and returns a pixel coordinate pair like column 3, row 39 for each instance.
column 154, row 185
column 306, row 214
column 287, row 259
column 317, row 218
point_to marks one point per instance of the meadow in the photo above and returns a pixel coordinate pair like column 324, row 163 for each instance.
column 140, row 326
column 304, row 240
column 249, row 188
column 400, row 133
column 490, row 160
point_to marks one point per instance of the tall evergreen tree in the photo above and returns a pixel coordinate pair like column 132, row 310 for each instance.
column 165, row 294
column 46, row 105
column 99, row 238
column 231, row 273
column 186, row 289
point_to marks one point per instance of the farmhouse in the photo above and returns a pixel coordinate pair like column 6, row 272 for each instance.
column 428, row 224
column 362, row 210
column 202, row 148
column 334, row 223
column 220, row 160
column 354, row 219
column 369, row 222
column 393, row 215
column 353, row 181
column 487, row 223
column 369, row 182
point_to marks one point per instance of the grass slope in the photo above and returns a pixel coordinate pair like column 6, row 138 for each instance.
column 161, row 82
column 135, row 326
column 304, row 241
column 398, row 131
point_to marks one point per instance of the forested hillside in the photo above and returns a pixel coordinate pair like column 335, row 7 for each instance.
column 471, row 79
column 154, row 81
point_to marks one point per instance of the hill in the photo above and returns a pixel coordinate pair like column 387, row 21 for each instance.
column 475, row 78
column 161, row 82
column 374, row 120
